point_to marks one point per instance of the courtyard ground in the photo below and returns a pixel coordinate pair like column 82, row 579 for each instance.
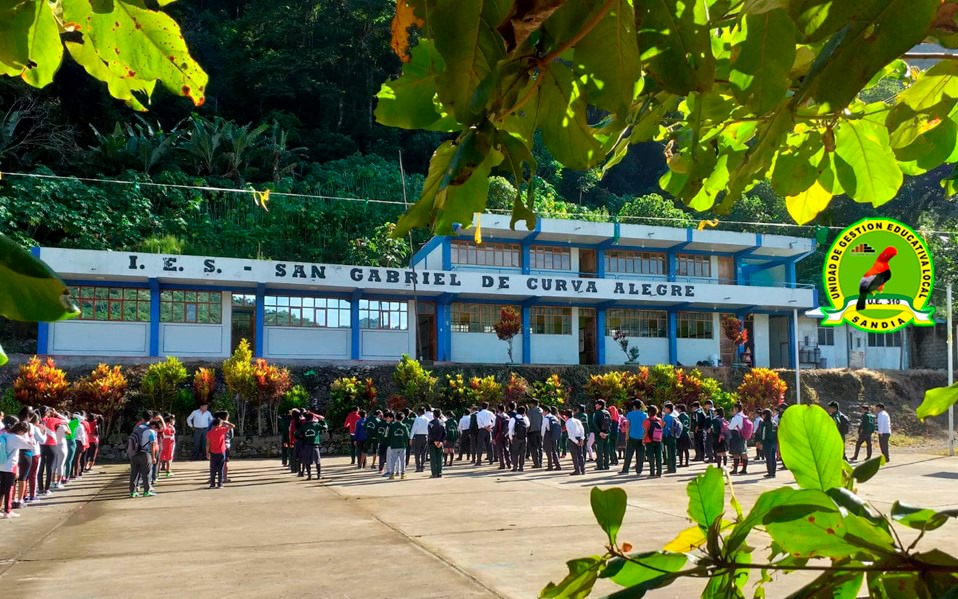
column 474, row 533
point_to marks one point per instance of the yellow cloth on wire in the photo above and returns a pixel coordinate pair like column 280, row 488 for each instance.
column 260, row 198
column 478, row 236
column 708, row 223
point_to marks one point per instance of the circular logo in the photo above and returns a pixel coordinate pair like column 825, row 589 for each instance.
column 878, row 277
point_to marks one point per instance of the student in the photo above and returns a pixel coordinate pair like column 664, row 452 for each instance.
column 225, row 421
column 216, row 452
column 576, row 434
column 884, row 429
column 737, row 427
column 25, row 460
column 283, row 423
column 518, row 437
column 756, row 417
column 866, row 428
column 452, row 436
column 398, row 439
column 583, row 419
column 718, row 435
column 385, row 467
column 296, row 420
column 371, row 446
column 708, row 409
column 534, row 435
column 168, row 445
column 652, row 439
column 551, row 433
column 361, row 433
column 612, row 441
column 310, row 435
column 699, row 425
column 841, row 423
column 635, row 446
column 62, row 449
column 350, row 425
column 465, row 434
column 436, row 437
column 671, row 430
column 485, row 419
column 140, row 447
column 76, row 468
column 14, row 439
column 420, row 438
column 769, row 432
column 601, row 427
column 684, row 441
column 500, row 438
column 94, row 423
column 48, row 450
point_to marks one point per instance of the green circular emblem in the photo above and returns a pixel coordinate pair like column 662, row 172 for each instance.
column 878, row 277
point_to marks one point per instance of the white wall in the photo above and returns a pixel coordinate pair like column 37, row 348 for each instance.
column 651, row 351
column 760, row 340
column 484, row 348
column 883, row 358
column 385, row 345
column 302, row 342
column 98, row 338
column 194, row 340
column 555, row 349
column 692, row 351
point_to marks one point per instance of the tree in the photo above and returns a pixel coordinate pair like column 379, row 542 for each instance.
column 204, row 384
column 240, row 382
column 382, row 248
column 761, row 388
column 40, row 383
column 161, row 383
column 507, row 327
column 272, row 383
column 736, row 92
column 103, row 393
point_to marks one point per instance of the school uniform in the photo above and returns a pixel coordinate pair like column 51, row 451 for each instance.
column 653, row 444
column 769, row 437
column 635, row 446
column 684, row 443
column 382, row 435
column 866, row 428
column 700, row 424
column 576, row 434
column 613, row 439
column 310, row 436
column 500, row 440
column 485, row 419
column 534, row 436
column 601, row 427
column 669, row 441
column 420, row 434
column 736, row 443
column 884, row 433
column 436, row 436
column 465, row 438
column 397, row 436
column 452, row 436
column 551, row 433
column 518, row 437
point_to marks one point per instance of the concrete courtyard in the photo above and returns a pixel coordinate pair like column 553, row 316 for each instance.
column 474, row 533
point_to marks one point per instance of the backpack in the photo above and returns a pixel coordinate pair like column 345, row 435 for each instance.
column 134, row 443
column 519, row 428
column 723, row 429
column 555, row 428
column 474, row 423
column 655, row 429
column 748, row 429
column 603, row 423
column 843, row 424
column 677, row 427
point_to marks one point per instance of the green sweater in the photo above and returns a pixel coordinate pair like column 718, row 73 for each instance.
column 397, row 436
column 372, row 429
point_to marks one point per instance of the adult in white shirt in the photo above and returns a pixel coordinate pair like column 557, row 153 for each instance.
column 576, row 433
column 199, row 420
column 884, row 429
column 518, row 436
column 737, row 444
column 485, row 419
column 465, row 446
column 418, row 437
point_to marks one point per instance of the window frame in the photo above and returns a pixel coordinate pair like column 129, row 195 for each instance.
column 114, row 301
column 176, row 306
column 633, row 262
column 693, row 266
column 501, row 255
column 480, row 317
column 547, row 257
column 312, row 312
column 703, row 324
column 636, row 322
column 887, row 340
column 387, row 312
column 546, row 320
column 828, row 340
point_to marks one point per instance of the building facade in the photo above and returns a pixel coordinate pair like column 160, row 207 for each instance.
column 574, row 283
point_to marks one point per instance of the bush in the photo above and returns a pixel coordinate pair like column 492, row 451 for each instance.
column 761, row 388
column 550, row 392
column 414, row 382
column 345, row 394
column 297, row 397
column 238, row 375
column 458, row 395
column 40, row 383
column 204, row 384
column 272, row 383
column 610, row 386
column 516, row 388
column 104, row 392
column 160, row 384
column 486, row 389
column 8, row 404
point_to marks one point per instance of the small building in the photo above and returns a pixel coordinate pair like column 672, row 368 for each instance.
column 575, row 284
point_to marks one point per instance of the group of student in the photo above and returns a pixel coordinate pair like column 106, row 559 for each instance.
column 41, row 451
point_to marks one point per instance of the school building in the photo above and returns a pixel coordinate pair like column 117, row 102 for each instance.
column 575, row 284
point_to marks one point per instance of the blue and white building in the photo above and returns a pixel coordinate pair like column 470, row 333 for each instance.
column 575, row 284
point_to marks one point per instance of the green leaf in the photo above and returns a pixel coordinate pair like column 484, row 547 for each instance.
column 18, row 20
column 515, row 154
column 466, row 37
column 759, row 157
column 798, row 164
column 644, row 567
column 832, row 585
column 930, row 150
column 818, row 19
column 525, row 19
column 805, row 206
column 762, row 60
column 816, row 534
column 607, row 58
column 937, row 401
column 134, row 42
column 867, row 469
column 122, row 88
column 562, row 117
column 687, row 540
column 675, row 42
column 920, row 518
column 920, row 107
column 609, row 509
column 579, row 582
column 765, row 502
column 865, row 164
column 706, row 497
column 895, row 585
column 3, row 357
column 29, row 290
column 881, row 32
column 811, row 447
column 410, row 101
column 854, row 504
column 43, row 43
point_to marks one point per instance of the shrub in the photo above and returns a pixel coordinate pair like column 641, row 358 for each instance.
column 761, row 388
column 297, row 397
column 345, row 394
column 40, row 383
column 486, row 389
column 508, row 326
column 610, row 386
column 712, row 389
column 516, row 389
column 396, row 403
column 104, row 392
column 272, row 383
column 204, row 384
column 458, row 395
column 160, row 383
column 238, row 375
column 9, row 404
column 550, row 392
column 414, row 382
column 631, row 353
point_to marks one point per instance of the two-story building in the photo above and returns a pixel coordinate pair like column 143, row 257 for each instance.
column 575, row 284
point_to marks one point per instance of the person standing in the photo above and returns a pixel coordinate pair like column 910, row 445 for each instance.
column 866, row 428
column 436, row 436
column 634, row 445
column 613, row 439
column 576, row 441
column 737, row 439
column 465, row 435
column 14, row 438
column 583, row 419
column 420, row 434
column 399, row 441
column 551, row 433
column 601, row 426
column 371, row 447
column 216, row 452
column 486, row 420
column 452, row 435
column 710, row 435
column 671, row 425
column 518, row 437
column 653, row 442
column 684, row 442
column 283, row 439
column 500, row 438
column 698, row 432
column 361, row 432
column 534, row 414
column 769, row 430
column 310, row 436
column 884, row 429
column 199, row 420
column 140, row 449
column 841, row 423
column 350, row 425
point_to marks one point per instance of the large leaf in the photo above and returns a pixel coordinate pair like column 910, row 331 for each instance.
column 466, row 37
column 18, row 19
column 937, row 401
column 579, row 582
column 134, row 42
column 762, row 61
column 131, row 90
column 807, row 205
column 608, row 58
column 409, row 102
column 818, row 19
column 880, row 33
column 404, row 18
column 867, row 469
column 918, row 108
column 609, row 509
column 815, row 534
column 29, row 290
column 811, row 447
column 920, row 518
column 516, row 155
column 641, row 568
column 687, row 540
column 930, row 149
column 866, row 166
column 759, row 157
column 833, row 584
column 765, row 503
column 525, row 19
column 562, row 116
column 675, row 41
column 32, row 33
column 706, row 497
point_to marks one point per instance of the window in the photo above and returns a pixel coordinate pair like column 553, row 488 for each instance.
column 551, row 321
column 637, row 323
column 383, row 315
column 199, row 307
column 241, row 300
column 486, row 254
column 112, row 303
column 884, row 339
column 282, row 311
column 550, row 258
column 693, row 266
column 639, row 263
column 694, row 325
column 826, row 335
column 475, row 318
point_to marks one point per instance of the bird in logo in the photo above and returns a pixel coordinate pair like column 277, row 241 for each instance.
column 876, row 277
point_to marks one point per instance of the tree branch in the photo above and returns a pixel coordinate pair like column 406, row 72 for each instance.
column 930, row 56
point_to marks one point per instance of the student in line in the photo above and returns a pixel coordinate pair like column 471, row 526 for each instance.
column 653, row 441
column 94, row 425
column 601, row 426
column 518, row 438
column 141, row 449
column 310, row 436
column 399, row 442
column 883, row 421
column 382, row 433
column 350, row 425
column 672, row 428
column 769, row 430
column 635, row 445
column 361, row 432
column 551, row 434
column 739, row 428
column 371, row 445
column 436, row 436
column 14, row 439
column 684, row 443
column 866, row 428
column 718, row 437
column 576, row 442
column 452, row 436
column 168, row 445
column 216, row 452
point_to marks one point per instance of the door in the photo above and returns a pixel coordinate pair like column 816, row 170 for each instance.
column 587, row 263
column 243, row 327
column 587, row 336
column 726, row 270
column 726, row 348
column 426, row 330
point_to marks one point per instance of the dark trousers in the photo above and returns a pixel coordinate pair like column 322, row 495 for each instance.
column 465, row 444
column 601, row 452
column 534, row 443
column 502, row 453
column 613, row 441
column 140, row 466
column 47, row 457
column 670, row 454
column 382, row 456
column 550, row 447
column 769, row 448
column 578, row 456
column 199, row 443
column 518, row 454
column 284, row 452
column 419, row 448
column 867, row 441
column 435, row 459
column 634, row 447
column 699, row 446
column 654, row 451
column 709, row 446
column 7, row 481
column 217, row 462
column 294, row 457
column 883, row 445
column 353, row 449
column 483, row 445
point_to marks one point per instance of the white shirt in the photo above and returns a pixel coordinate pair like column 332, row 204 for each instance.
column 574, row 429
column 464, row 423
column 420, row 426
column 512, row 424
column 80, row 434
column 486, row 419
column 546, row 423
column 38, row 436
column 14, row 444
column 736, row 423
column 884, row 423
column 200, row 419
